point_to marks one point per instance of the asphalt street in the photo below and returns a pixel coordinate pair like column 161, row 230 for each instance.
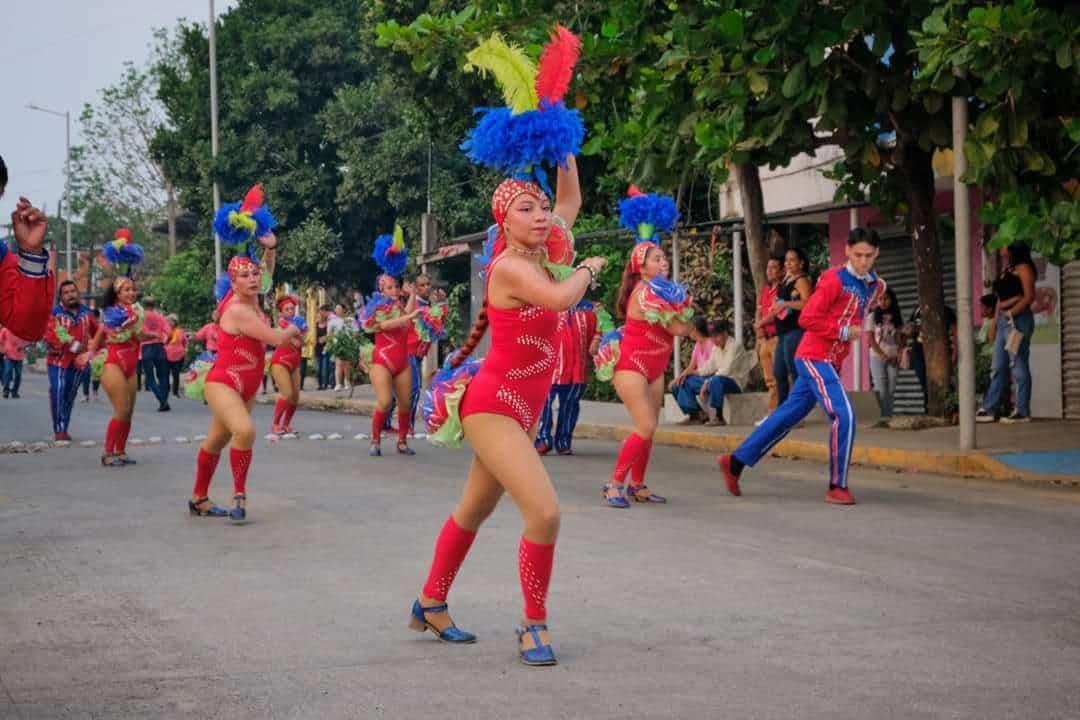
column 932, row 598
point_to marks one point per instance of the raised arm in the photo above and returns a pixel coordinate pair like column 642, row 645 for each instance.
column 251, row 324
column 523, row 283
column 568, row 192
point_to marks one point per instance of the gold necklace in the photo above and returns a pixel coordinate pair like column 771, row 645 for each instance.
column 538, row 252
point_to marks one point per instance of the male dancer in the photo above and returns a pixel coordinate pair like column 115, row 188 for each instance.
column 832, row 318
column 68, row 335
column 578, row 341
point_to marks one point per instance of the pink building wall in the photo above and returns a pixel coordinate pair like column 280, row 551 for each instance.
column 840, row 225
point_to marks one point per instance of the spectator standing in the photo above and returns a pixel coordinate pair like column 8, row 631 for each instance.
column 765, row 326
column 154, row 362
column 14, row 355
column 885, row 350
column 175, row 351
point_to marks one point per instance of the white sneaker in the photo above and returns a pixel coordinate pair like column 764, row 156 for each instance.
column 1015, row 418
column 761, row 422
column 348, row 386
column 339, row 388
column 984, row 417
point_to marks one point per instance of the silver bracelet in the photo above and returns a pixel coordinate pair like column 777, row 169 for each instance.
column 592, row 273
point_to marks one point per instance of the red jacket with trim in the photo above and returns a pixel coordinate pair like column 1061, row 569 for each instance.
column 839, row 301
column 26, row 292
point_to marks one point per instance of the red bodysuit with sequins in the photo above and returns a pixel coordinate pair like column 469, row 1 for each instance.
column 287, row 355
column 125, row 355
column 515, row 377
column 240, row 364
column 645, row 348
column 392, row 349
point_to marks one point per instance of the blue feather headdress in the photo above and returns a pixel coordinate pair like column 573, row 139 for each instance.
column 647, row 215
column 535, row 128
column 242, row 223
column 390, row 253
column 123, row 253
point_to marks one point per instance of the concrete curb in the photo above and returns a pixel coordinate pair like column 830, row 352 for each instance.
column 953, row 463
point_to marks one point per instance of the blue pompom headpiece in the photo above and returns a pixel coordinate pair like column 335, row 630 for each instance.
column 222, row 286
column 647, row 215
column 123, row 253
column 535, row 128
column 390, row 253
column 243, row 222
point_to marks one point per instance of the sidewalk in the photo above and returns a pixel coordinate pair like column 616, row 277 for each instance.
column 1042, row 451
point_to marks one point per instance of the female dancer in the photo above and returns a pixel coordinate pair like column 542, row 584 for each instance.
column 656, row 309
column 285, row 366
column 499, row 408
column 232, row 385
column 391, row 374
column 121, row 330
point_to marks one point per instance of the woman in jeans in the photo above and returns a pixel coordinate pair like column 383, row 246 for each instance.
column 1015, row 289
column 323, row 363
column 792, row 293
column 885, row 350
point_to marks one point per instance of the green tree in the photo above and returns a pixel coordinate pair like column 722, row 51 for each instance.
column 1019, row 65
column 182, row 286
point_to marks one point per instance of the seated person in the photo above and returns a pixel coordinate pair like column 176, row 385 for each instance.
column 688, row 383
column 727, row 372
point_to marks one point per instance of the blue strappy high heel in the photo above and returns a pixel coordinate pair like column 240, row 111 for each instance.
column 375, row 451
column 112, row 461
column 619, row 501
column 539, row 655
column 452, row 634
column 649, row 497
column 212, row 511
column 127, row 461
column 238, row 514
column 404, row 449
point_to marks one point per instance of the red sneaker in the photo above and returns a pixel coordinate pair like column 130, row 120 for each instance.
column 730, row 478
column 543, row 449
column 277, row 430
column 840, row 496
column 62, row 436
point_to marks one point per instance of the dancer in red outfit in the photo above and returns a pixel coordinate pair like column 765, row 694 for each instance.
column 234, row 380
column 656, row 310
column 26, row 282
column 285, row 366
column 121, row 331
column 383, row 315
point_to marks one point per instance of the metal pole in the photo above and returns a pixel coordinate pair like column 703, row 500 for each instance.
column 67, row 187
column 214, row 132
column 736, row 284
column 675, row 277
column 429, row 177
column 856, row 344
column 964, row 332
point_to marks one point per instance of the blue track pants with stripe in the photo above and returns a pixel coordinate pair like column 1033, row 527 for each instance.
column 816, row 382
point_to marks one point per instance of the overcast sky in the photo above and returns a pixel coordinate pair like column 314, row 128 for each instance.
column 58, row 54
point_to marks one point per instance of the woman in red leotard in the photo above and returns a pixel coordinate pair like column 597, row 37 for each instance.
column 655, row 310
column 285, row 366
column 121, row 333
column 501, row 406
column 383, row 315
column 232, row 384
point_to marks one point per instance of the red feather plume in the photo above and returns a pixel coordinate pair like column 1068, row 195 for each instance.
column 557, row 65
column 123, row 233
column 634, row 192
column 253, row 200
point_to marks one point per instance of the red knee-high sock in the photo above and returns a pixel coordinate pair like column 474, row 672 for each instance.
column 451, row 547
column 280, row 408
column 122, row 430
column 205, row 465
column 240, row 460
column 632, row 448
column 402, row 426
column 637, row 471
column 286, row 419
column 534, row 570
column 110, row 436
column 378, row 419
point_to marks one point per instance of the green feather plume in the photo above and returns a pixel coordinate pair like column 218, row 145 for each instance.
column 513, row 70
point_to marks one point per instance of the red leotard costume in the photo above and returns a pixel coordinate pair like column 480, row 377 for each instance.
column 392, row 349
column 125, row 353
column 515, row 378
column 240, row 362
column 286, row 355
column 645, row 348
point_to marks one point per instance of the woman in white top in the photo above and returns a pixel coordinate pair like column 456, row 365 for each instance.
column 342, row 368
column 885, row 350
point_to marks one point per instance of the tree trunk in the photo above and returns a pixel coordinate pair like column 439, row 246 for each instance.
column 753, row 205
column 926, row 247
column 172, row 219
